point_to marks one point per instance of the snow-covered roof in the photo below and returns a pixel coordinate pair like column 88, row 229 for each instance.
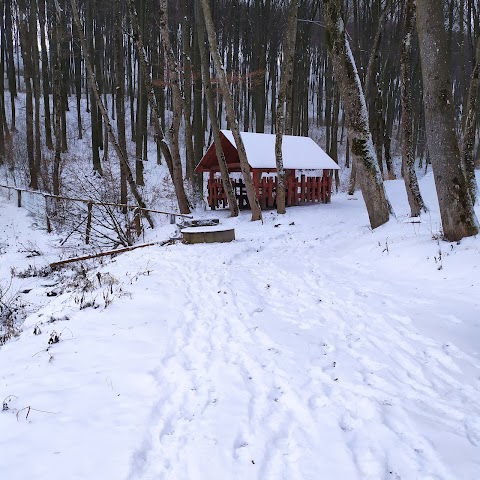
column 299, row 153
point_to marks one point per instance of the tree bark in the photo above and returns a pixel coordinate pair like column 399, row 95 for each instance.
column 57, row 100
column 285, row 83
column 363, row 151
column 89, row 51
column 94, row 87
column 456, row 207
column 415, row 199
column 120, row 94
column 45, row 80
column 468, row 145
column 174, row 166
column 367, row 83
column 204, row 59
column 232, row 120
column 27, row 74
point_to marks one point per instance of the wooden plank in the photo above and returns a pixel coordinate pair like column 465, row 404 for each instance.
column 263, row 193
column 271, row 198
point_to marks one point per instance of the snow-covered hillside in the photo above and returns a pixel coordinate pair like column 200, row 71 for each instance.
column 309, row 348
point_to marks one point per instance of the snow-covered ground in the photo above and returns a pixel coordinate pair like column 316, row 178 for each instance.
column 309, row 348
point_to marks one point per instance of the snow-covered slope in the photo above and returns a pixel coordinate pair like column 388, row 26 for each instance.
column 309, row 348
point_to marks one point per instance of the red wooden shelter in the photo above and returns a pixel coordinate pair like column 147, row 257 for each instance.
column 308, row 170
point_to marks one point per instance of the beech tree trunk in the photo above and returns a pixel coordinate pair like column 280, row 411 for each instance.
column 174, row 167
column 367, row 83
column 45, row 81
column 468, row 145
column 456, row 206
column 415, row 199
column 57, row 101
column 27, row 73
column 120, row 100
column 286, row 81
column 212, row 111
column 363, row 150
column 231, row 118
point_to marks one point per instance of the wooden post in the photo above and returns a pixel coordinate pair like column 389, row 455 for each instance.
column 256, row 182
column 138, row 223
column 211, row 186
column 19, row 198
column 49, row 225
column 89, row 223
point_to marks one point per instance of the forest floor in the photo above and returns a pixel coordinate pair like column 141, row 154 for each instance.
column 311, row 347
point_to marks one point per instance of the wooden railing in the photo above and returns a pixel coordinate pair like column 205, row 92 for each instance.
column 297, row 191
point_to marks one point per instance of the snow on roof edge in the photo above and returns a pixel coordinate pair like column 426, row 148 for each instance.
column 299, row 153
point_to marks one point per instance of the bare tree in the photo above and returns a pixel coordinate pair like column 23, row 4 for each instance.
column 212, row 111
column 25, row 41
column 415, row 199
column 173, row 161
column 231, row 117
column 469, row 130
column 285, row 83
column 94, row 87
column 363, row 151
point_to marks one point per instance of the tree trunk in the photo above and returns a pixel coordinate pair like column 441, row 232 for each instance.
column 12, row 84
column 174, row 167
column 36, row 81
column 285, row 83
column 27, row 75
column 198, row 128
column 45, row 79
column 94, row 87
column 363, row 151
column 120, row 92
column 470, row 127
column 415, row 199
column 57, row 101
column 456, row 207
column 97, row 166
column 232, row 120
column 177, row 104
column 367, row 84
column 227, row 184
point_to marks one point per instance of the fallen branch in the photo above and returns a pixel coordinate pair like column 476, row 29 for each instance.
column 101, row 254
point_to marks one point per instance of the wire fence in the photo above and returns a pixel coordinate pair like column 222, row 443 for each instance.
column 46, row 206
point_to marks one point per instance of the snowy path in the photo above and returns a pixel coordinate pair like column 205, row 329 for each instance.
column 309, row 348
column 287, row 368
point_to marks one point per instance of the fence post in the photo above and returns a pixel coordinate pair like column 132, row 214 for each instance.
column 172, row 219
column 49, row 225
column 89, row 223
column 19, row 198
column 138, row 223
